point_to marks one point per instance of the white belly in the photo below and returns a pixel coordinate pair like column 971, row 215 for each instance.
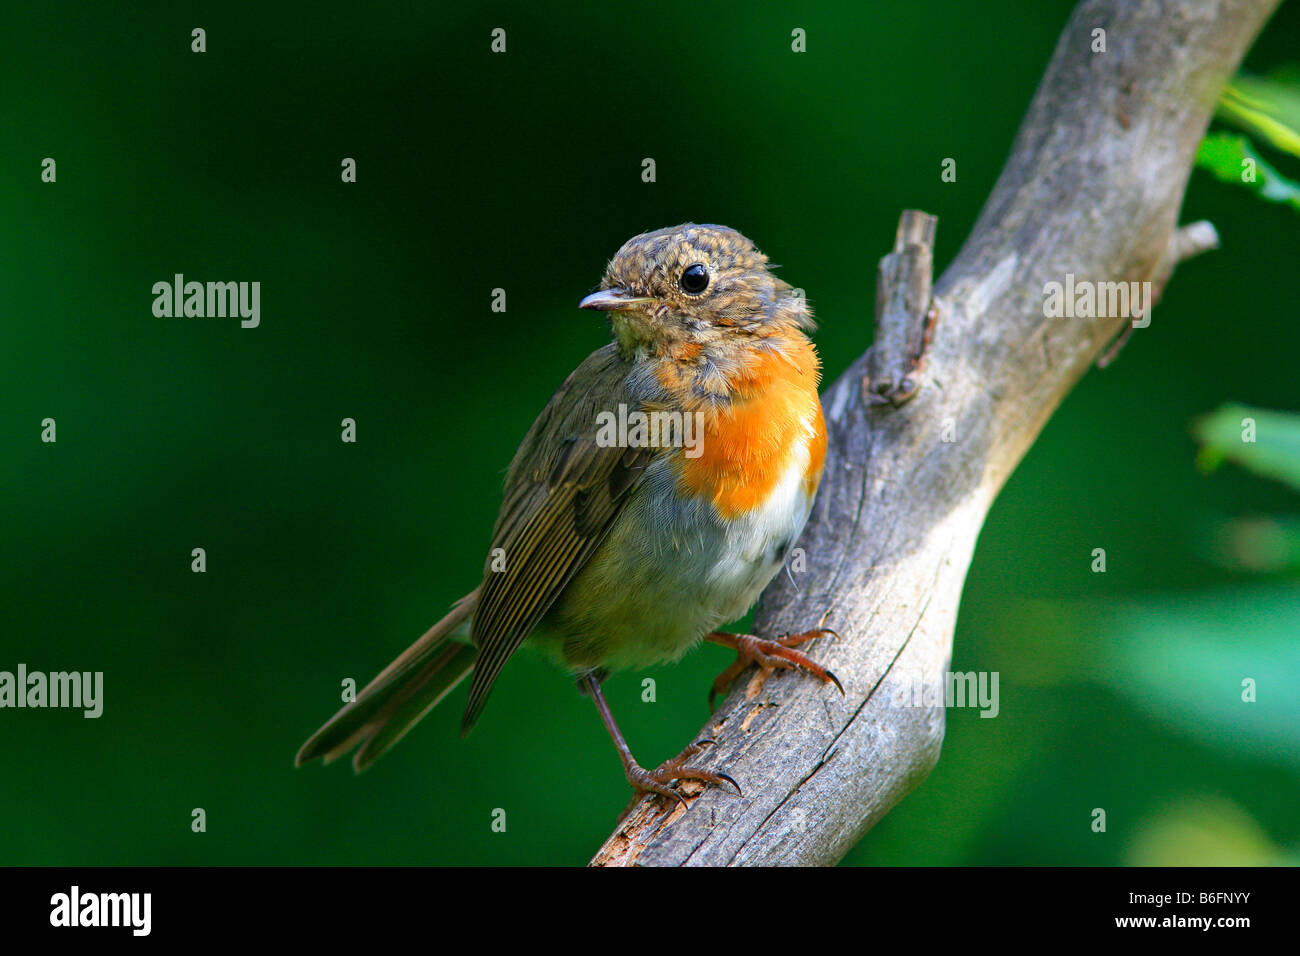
column 671, row 571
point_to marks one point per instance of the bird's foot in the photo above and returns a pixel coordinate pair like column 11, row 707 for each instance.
column 660, row 779
column 769, row 655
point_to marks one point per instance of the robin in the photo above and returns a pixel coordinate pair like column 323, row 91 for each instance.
column 650, row 503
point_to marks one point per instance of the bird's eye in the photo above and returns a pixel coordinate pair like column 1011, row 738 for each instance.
column 695, row 279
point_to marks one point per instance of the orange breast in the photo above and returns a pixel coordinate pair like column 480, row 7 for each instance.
column 748, row 448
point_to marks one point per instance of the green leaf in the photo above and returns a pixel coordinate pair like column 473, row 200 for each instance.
column 1255, row 544
column 1218, row 666
column 1264, row 441
column 1267, row 106
column 1203, row 830
column 1233, row 159
column 1185, row 660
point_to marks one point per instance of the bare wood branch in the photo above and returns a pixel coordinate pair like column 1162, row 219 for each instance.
column 1092, row 188
column 904, row 317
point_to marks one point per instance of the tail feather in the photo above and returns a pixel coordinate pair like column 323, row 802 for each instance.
column 399, row 696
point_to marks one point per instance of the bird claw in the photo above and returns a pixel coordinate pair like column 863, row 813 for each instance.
column 659, row 781
column 770, row 655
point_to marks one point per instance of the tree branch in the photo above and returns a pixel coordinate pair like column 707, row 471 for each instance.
column 1092, row 189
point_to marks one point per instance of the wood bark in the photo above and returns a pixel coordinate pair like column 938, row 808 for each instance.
column 1092, row 188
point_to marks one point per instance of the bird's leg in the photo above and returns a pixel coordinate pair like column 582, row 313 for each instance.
column 657, row 780
column 769, row 655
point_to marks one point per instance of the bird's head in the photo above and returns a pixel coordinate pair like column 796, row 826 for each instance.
column 693, row 284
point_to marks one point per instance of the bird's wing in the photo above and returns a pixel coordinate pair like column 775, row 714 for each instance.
column 562, row 494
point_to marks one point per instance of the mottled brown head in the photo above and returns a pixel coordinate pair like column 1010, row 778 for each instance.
column 698, row 283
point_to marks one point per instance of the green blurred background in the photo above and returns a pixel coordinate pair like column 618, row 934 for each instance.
column 522, row 171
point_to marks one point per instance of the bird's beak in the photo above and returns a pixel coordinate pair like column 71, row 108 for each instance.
column 612, row 300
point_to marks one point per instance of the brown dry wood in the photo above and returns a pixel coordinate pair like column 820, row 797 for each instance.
column 1092, row 187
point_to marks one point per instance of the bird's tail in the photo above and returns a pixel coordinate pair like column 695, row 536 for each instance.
column 404, row 691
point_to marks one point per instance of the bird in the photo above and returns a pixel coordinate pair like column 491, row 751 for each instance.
column 653, row 499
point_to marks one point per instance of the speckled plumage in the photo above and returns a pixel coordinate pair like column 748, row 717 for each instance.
column 693, row 541
column 612, row 556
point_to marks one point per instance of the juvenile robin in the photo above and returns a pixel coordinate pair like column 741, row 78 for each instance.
column 651, row 502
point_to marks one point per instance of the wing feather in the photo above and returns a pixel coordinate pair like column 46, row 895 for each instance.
column 563, row 492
